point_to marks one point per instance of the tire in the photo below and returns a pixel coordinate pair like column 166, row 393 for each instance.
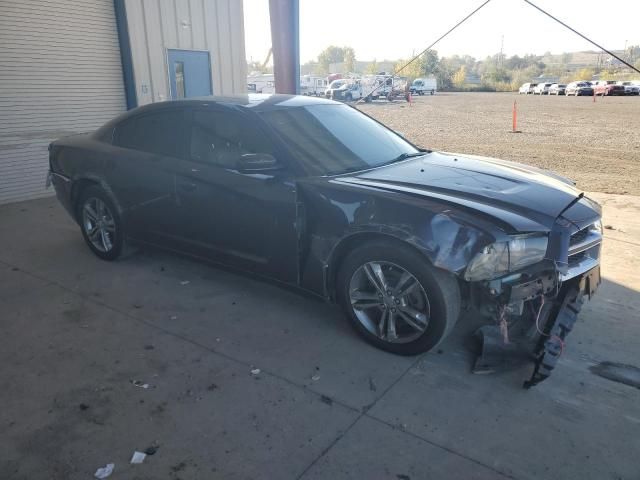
column 348, row 97
column 107, row 244
column 434, row 297
column 367, row 99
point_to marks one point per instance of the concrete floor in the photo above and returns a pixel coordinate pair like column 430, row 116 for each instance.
column 76, row 331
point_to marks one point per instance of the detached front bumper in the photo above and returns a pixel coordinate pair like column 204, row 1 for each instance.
column 534, row 319
column 535, row 309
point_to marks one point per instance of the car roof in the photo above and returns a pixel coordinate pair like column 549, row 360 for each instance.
column 254, row 101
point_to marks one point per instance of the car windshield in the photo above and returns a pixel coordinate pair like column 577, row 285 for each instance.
column 337, row 84
column 333, row 139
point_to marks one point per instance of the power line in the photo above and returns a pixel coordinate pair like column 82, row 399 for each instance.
column 434, row 43
column 583, row 36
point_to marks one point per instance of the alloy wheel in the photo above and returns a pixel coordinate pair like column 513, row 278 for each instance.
column 98, row 224
column 389, row 302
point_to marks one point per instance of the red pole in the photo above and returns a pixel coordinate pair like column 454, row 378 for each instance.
column 285, row 39
column 515, row 117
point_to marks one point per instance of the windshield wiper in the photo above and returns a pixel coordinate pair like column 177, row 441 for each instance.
column 404, row 156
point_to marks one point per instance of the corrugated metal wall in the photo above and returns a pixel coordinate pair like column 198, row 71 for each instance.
column 60, row 73
column 213, row 25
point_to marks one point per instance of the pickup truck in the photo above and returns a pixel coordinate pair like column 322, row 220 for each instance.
column 344, row 90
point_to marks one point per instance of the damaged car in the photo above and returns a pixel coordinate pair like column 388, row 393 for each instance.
column 317, row 195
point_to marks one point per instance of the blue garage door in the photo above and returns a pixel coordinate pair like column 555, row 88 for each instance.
column 190, row 74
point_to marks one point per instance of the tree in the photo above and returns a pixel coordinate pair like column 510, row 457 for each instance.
column 329, row 55
column 349, row 60
column 430, row 62
column 333, row 54
column 585, row 74
column 460, row 77
column 411, row 70
column 372, row 68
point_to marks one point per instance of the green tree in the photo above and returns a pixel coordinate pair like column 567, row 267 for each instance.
column 329, row 55
column 333, row 54
column 430, row 62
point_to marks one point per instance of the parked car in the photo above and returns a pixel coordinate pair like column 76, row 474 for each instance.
column 630, row 88
column 317, row 195
column 608, row 87
column 557, row 89
column 579, row 88
column 344, row 89
column 421, row 86
column 527, row 88
column 542, row 88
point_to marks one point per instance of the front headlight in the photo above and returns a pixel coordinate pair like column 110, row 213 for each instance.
column 501, row 258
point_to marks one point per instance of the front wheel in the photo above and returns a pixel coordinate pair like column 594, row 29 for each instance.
column 396, row 300
column 100, row 223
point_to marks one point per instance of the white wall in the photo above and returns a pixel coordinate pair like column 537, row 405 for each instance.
column 216, row 26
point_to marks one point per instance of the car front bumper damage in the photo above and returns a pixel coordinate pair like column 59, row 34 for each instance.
column 534, row 311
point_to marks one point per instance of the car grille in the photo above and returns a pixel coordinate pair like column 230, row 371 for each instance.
column 584, row 247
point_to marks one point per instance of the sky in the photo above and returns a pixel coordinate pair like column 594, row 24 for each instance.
column 375, row 30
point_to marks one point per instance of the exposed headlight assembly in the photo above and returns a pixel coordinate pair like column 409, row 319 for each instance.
column 500, row 258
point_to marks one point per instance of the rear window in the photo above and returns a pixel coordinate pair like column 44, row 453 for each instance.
column 160, row 133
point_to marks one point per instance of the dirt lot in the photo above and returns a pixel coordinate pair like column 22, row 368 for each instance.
column 595, row 144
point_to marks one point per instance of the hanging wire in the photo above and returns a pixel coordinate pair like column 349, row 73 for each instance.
column 583, row 36
column 430, row 46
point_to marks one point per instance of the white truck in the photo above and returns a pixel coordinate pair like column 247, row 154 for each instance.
column 422, row 86
column 344, row 89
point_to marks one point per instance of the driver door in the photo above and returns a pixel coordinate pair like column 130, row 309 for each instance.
column 244, row 219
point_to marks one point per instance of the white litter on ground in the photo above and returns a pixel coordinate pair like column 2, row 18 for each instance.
column 138, row 457
column 105, row 471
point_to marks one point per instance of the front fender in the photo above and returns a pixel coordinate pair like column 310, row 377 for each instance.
column 340, row 219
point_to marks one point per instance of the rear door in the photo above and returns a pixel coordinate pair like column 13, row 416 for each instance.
column 240, row 218
column 147, row 149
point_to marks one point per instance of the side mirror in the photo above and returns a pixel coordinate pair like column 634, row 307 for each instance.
column 257, row 163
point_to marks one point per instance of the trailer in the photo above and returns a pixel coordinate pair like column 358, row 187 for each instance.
column 383, row 85
column 312, row 85
column 261, row 83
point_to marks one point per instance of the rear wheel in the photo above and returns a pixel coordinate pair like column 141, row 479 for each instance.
column 100, row 223
column 396, row 300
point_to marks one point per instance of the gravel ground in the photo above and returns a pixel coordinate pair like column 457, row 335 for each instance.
column 595, row 144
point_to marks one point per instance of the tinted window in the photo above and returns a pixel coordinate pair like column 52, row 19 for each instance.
column 159, row 133
column 331, row 139
column 220, row 138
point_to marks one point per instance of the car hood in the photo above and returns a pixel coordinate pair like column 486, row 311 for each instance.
column 525, row 197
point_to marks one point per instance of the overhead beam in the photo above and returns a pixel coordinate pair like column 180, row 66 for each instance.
column 285, row 40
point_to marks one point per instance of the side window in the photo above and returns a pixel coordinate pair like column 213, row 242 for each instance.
column 220, row 138
column 159, row 133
